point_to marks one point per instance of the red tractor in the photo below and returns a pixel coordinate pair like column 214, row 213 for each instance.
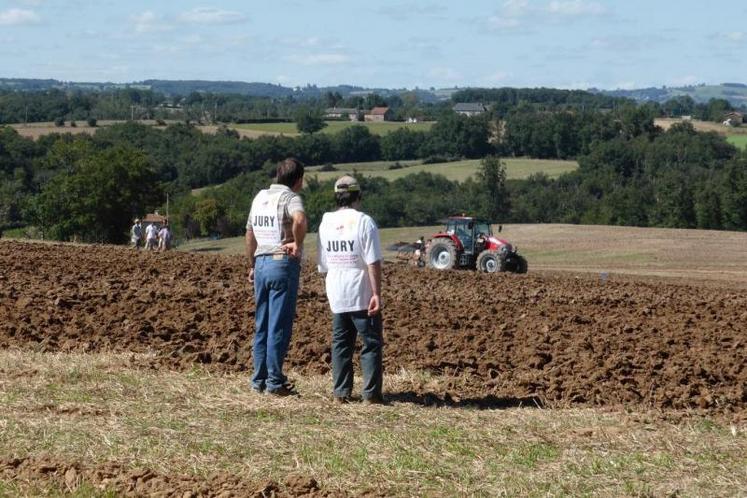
column 469, row 243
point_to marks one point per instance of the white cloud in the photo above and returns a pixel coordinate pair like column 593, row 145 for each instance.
column 17, row 17
column 444, row 74
column 735, row 36
column 500, row 23
column 686, row 80
column 575, row 8
column 328, row 59
column 149, row 22
column 495, row 78
column 515, row 8
column 209, row 15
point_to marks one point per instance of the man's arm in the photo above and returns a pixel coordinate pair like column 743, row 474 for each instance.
column 374, row 276
column 250, row 241
column 299, row 233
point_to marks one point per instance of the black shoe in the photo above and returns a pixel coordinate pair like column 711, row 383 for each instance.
column 342, row 400
column 283, row 391
column 374, row 400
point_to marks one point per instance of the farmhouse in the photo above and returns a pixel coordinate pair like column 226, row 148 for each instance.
column 733, row 119
column 155, row 218
column 341, row 112
column 469, row 108
column 378, row 114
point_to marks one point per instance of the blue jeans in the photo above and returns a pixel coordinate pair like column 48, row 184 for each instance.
column 275, row 292
column 345, row 328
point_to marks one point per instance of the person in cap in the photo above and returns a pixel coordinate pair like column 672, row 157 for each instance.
column 136, row 234
column 349, row 252
column 275, row 232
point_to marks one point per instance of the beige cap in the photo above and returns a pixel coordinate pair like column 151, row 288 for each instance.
column 347, row 184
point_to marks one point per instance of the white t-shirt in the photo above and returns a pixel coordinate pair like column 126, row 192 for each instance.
column 347, row 243
column 164, row 234
column 151, row 232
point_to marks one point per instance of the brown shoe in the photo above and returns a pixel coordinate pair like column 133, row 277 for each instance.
column 342, row 400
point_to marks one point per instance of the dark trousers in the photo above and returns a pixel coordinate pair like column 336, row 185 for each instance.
column 345, row 328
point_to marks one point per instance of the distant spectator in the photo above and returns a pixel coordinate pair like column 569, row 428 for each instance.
column 164, row 238
column 151, row 237
column 136, row 234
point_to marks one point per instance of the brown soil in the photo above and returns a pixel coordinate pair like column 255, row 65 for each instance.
column 552, row 340
column 45, row 472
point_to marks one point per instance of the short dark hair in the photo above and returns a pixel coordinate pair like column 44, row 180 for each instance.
column 289, row 172
column 347, row 199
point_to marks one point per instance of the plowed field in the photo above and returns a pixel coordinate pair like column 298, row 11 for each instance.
column 506, row 339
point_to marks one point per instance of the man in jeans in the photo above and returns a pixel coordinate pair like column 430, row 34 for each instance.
column 274, row 240
column 349, row 252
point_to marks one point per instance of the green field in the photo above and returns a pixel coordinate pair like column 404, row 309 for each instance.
column 332, row 127
column 516, row 169
column 738, row 140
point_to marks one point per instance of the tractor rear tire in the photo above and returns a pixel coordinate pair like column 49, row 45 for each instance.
column 489, row 262
column 441, row 255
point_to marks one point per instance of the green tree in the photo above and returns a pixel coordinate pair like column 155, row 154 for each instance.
column 99, row 199
column 492, row 179
column 309, row 120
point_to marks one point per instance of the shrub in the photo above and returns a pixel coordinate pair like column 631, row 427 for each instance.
column 91, row 122
column 59, row 122
column 396, row 165
column 73, row 124
column 328, row 167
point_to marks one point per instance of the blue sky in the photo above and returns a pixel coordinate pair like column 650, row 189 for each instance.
column 558, row 43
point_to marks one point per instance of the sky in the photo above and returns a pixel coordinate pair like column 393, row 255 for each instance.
column 379, row 43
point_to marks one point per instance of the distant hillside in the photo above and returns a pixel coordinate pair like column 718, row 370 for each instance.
column 185, row 87
column 735, row 93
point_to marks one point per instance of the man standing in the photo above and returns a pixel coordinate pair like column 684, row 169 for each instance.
column 274, row 241
column 136, row 234
column 151, row 237
column 349, row 252
column 164, row 238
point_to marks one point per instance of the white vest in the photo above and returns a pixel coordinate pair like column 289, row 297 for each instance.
column 265, row 222
column 341, row 243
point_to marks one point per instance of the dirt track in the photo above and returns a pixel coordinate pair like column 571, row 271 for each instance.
column 555, row 340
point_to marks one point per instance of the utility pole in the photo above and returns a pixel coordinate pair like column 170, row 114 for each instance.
column 215, row 113
column 26, row 119
column 132, row 113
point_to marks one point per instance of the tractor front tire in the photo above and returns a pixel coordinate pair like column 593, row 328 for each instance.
column 441, row 255
column 489, row 262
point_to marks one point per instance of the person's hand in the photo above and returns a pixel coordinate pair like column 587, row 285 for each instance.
column 374, row 305
column 292, row 249
column 251, row 275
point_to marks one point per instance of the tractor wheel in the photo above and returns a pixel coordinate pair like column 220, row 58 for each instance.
column 489, row 262
column 441, row 255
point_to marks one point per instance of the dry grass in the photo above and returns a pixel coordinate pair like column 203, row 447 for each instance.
column 103, row 407
column 666, row 123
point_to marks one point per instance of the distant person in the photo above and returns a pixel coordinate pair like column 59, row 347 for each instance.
column 136, row 234
column 349, row 252
column 164, row 238
column 151, row 237
column 275, row 232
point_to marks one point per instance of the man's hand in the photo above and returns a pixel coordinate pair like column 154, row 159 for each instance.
column 292, row 249
column 374, row 305
column 251, row 275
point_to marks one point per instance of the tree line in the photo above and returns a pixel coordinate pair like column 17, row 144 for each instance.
column 631, row 173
